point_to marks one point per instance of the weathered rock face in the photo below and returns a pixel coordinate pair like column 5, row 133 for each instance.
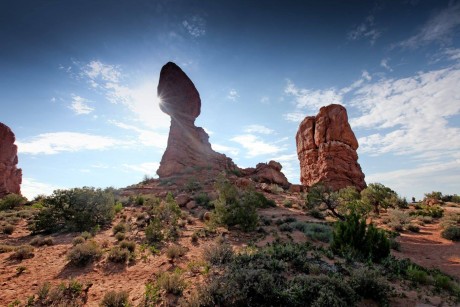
column 188, row 149
column 10, row 175
column 326, row 148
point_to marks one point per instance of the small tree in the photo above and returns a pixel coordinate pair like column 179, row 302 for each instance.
column 435, row 195
column 320, row 194
column 378, row 196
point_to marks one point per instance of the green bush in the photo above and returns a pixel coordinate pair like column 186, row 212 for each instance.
column 218, row 253
column 120, row 236
column 153, row 232
column 413, row 228
column 316, row 214
column 71, row 294
column 115, row 299
column 451, row 233
column 12, row 201
column 78, row 240
column 76, row 209
column 417, row 275
column 171, row 282
column 202, row 199
column 84, row 253
column 129, row 245
column 433, row 211
column 442, row 281
column 118, row 207
column 355, row 237
column 118, row 255
column 175, row 251
column 369, row 284
column 120, row 227
column 40, row 241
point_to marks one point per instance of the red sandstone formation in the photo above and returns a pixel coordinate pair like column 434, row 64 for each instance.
column 326, row 147
column 10, row 176
column 189, row 150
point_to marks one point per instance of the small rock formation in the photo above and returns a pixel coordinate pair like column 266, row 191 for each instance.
column 189, row 150
column 188, row 147
column 10, row 175
column 326, row 148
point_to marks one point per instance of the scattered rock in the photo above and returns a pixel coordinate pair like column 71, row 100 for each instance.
column 326, row 148
column 182, row 199
column 191, row 205
column 10, row 175
column 267, row 173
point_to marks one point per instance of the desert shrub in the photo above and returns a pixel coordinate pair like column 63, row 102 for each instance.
column 316, row 214
column 395, row 245
column 118, row 207
column 76, row 209
column 450, row 219
column 286, row 227
column 318, row 232
column 120, row 236
column 8, row 229
column 71, row 294
column 84, row 253
column 139, row 200
column 86, row 235
column 153, row 232
column 5, row 248
column 115, row 299
column 202, row 199
column 260, row 200
column 236, row 208
column 355, row 237
column 22, row 252
column 287, row 203
column 451, row 233
column 413, row 228
column 41, row 241
column 175, row 251
column 78, row 240
column 433, row 211
column 379, row 196
column 151, row 295
column 218, row 253
column 417, row 275
column 120, row 227
column 12, row 201
column 442, row 281
column 369, row 284
column 171, row 282
column 426, row 219
column 398, row 219
column 321, row 195
column 435, row 195
column 129, row 245
column 118, row 255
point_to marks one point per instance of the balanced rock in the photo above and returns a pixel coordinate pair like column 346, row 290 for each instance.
column 10, row 175
column 326, row 148
column 188, row 150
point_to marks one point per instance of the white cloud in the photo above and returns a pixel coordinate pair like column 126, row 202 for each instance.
column 255, row 146
column 31, row 188
column 79, row 105
column 453, row 54
column 296, row 117
column 98, row 71
column 365, row 30
column 384, row 64
column 146, row 137
column 147, row 168
column 196, row 26
column 230, row 151
column 56, row 142
column 312, row 99
column 258, row 129
column 291, row 168
column 265, row 99
column 421, row 179
column 233, row 95
column 439, row 28
column 411, row 115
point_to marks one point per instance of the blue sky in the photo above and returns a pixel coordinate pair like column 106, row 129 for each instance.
column 78, row 84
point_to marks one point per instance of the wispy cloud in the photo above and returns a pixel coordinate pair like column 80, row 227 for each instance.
column 79, row 105
column 96, row 70
column 147, row 168
column 196, row 26
column 453, row 53
column 290, row 163
column 411, row 115
column 230, row 151
column 384, row 63
column 255, row 146
column 366, row 30
column 312, row 99
column 56, row 142
column 295, row 117
column 233, row 95
column 258, row 129
column 145, row 137
column 31, row 188
column 265, row 99
column 439, row 28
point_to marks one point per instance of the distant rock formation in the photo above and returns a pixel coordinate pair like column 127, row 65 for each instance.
column 188, row 147
column 10, row 175
column 189, row 151
column 326, row 148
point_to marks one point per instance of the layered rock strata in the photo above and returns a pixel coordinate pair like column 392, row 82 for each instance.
column 326, row 148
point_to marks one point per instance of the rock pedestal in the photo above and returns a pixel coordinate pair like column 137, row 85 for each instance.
column 326, row 148
column 10, row 175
